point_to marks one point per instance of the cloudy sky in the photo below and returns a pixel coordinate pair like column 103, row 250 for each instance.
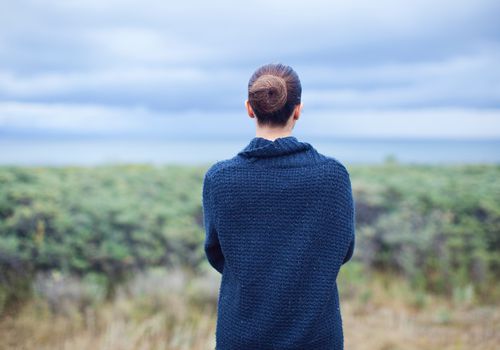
column 160, row 68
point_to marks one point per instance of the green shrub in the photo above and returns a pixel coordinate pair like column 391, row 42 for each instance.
column 437, row 226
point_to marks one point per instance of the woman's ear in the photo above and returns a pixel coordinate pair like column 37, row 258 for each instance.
column 298, row 110
column 250, row 112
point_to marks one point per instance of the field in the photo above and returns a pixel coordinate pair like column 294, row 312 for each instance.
column 111, row 257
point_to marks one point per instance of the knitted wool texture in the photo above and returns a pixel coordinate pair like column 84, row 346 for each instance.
column 279, row 224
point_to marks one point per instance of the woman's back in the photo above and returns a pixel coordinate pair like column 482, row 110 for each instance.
column 279, row 218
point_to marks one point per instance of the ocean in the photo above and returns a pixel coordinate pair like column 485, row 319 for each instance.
column 95, row 151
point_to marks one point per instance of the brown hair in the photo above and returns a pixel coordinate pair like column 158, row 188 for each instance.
column 273, row 92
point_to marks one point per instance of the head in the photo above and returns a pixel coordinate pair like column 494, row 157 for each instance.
column 274, row 96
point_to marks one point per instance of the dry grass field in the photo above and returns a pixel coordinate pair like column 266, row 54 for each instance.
column 175, row 310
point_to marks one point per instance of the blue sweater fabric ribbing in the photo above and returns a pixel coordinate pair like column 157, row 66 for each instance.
column 279, row 224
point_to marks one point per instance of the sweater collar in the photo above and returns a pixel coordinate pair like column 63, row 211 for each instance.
column 262, row 148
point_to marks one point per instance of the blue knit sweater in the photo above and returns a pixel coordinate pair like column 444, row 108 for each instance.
column 279, row 224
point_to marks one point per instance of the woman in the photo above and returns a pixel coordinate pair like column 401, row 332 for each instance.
column 279, row 221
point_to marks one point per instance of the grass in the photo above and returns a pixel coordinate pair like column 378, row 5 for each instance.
column 177, row 310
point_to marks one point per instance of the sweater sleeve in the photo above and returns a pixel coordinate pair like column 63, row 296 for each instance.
column 213, row 250
column 349, row 214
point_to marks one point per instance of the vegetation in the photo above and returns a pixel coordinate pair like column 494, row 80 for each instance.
column 436, row 226
column 112, row 257
column 104, row 222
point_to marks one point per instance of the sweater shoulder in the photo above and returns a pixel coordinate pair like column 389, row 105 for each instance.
column 335, row 164
column 218, row 166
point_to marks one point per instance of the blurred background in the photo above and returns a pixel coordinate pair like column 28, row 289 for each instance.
column 111, row 112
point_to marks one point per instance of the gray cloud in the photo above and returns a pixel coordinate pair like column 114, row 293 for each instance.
column 172, row 59
column 95, row 120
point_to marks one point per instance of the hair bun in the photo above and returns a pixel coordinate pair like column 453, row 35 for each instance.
column 269, row 93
